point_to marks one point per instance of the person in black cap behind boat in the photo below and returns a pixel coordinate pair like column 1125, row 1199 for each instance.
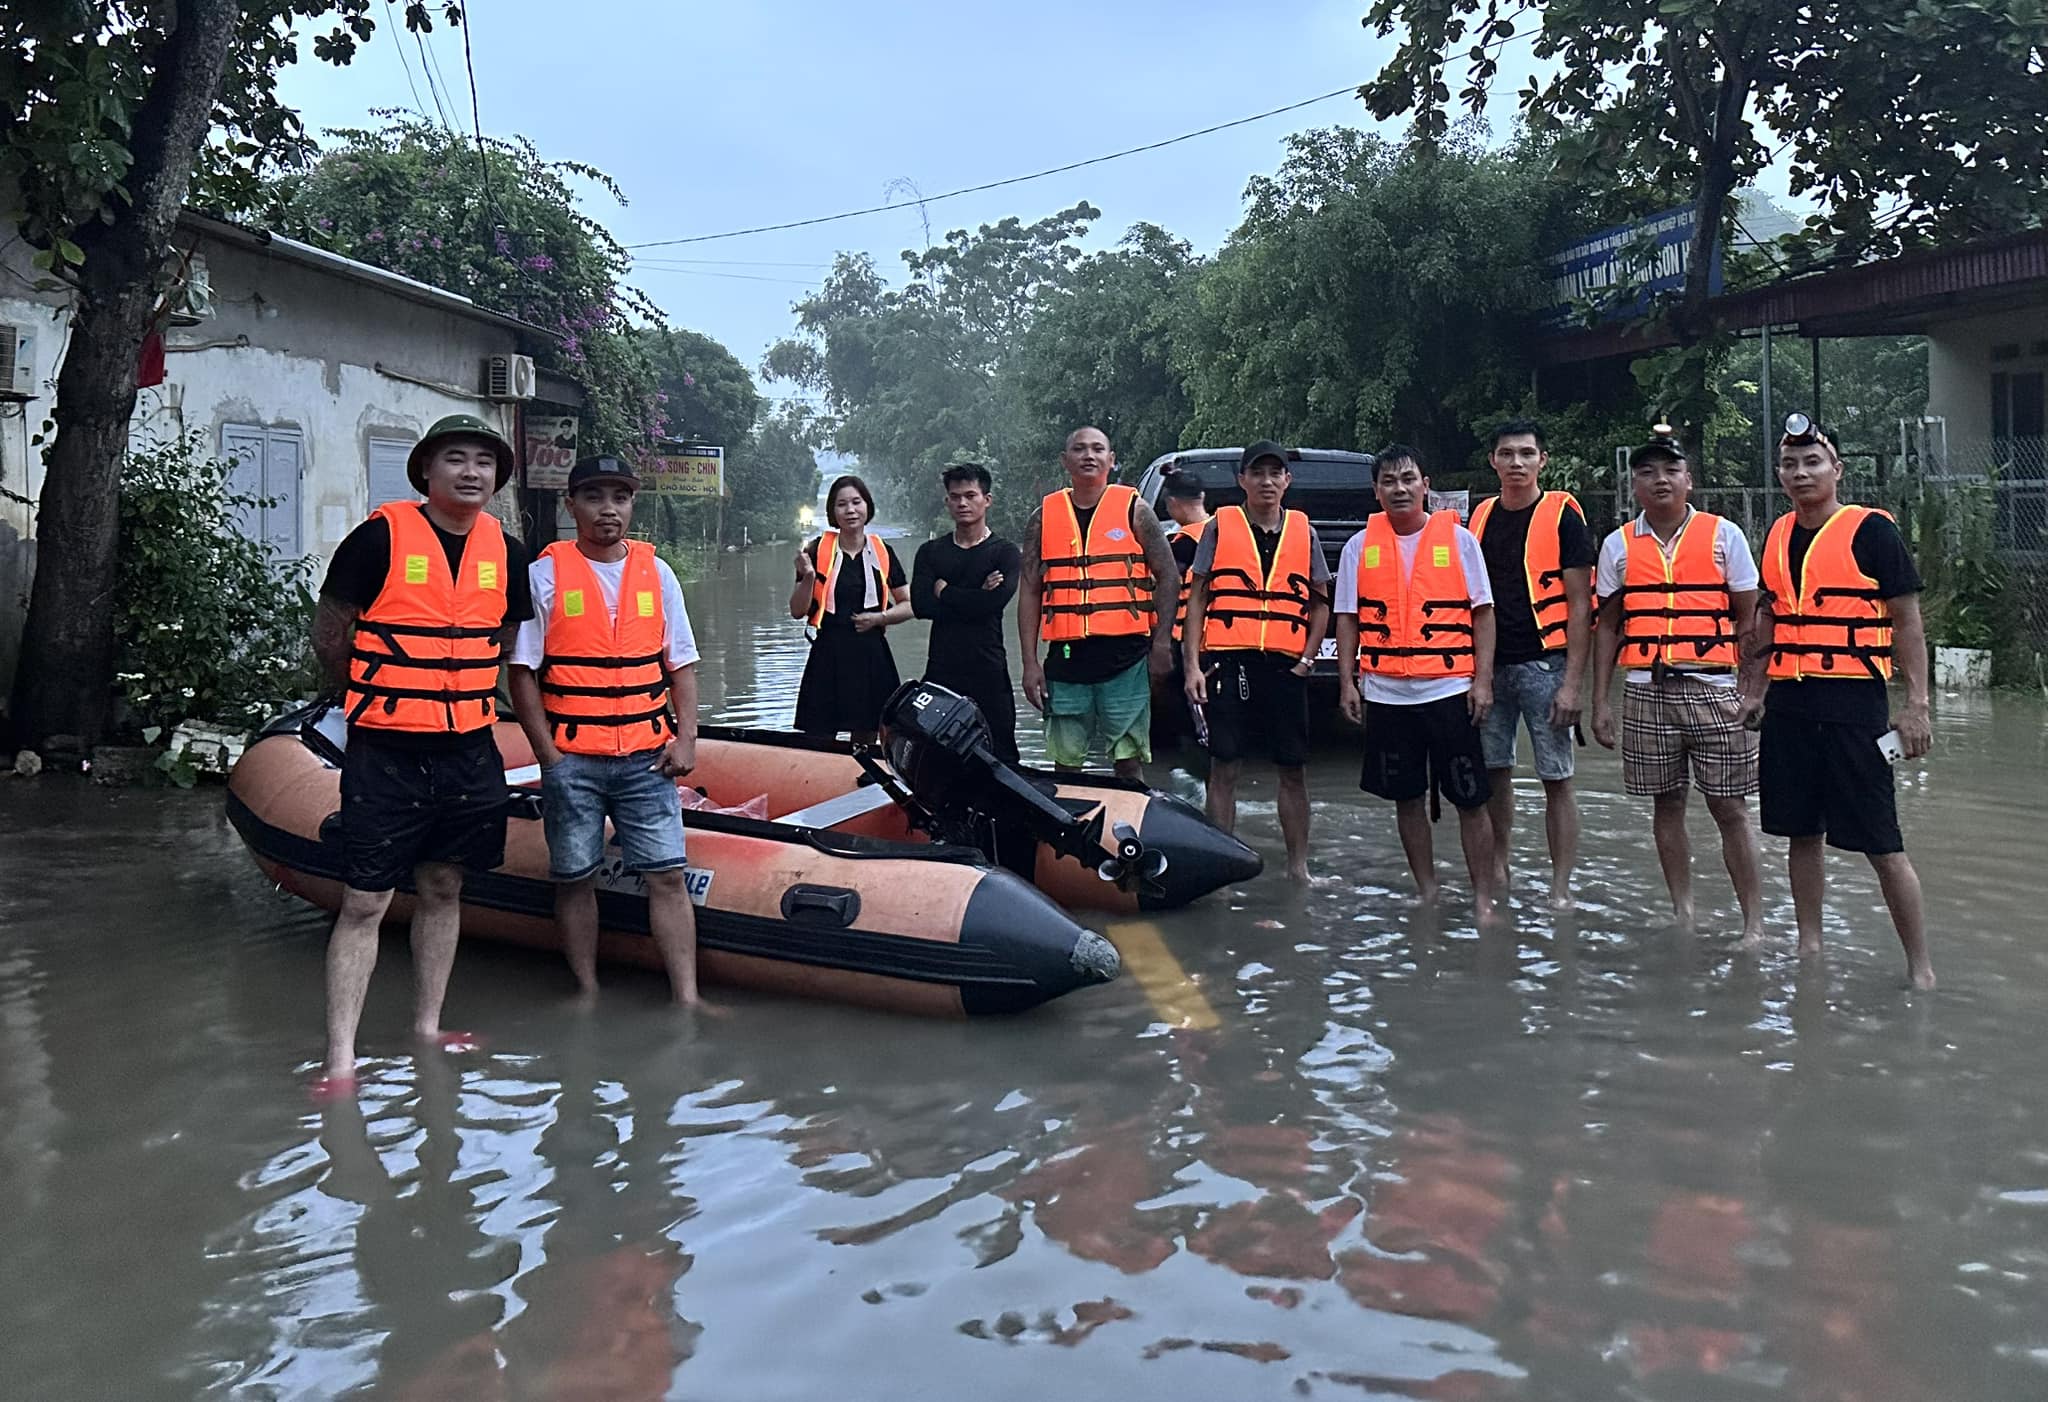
column 1256, row 620
column 1840, row 612
column 604, row 681
column 416, row 610
column 1187, row 507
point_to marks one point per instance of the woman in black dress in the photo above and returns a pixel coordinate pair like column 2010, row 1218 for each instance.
column 849, row 588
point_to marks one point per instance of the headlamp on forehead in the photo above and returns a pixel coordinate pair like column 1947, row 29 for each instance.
column 1800, row 430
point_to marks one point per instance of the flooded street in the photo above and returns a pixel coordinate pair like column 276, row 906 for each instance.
column 1310, row 1145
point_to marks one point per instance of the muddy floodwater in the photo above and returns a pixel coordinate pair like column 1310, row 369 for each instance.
column 1310, row 1145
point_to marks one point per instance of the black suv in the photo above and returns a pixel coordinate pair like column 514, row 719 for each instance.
column 1333, row 487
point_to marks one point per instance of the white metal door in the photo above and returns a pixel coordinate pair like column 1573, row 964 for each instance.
column 265, row 473
column 387, row 471
column 282, row 463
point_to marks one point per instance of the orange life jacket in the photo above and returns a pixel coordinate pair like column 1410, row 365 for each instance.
column 1833, row 624
column 604, row 680
column 1542, row 565
column 1246, row 606
column 1419, row 625
column 1187, row 577
column 425, row 654
column 825, row 557
column 1677, row 609
column 1097, row 588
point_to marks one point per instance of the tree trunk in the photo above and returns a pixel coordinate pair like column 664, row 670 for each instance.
column 65, row 681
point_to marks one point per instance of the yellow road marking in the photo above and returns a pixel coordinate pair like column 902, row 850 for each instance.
column 1173, row 994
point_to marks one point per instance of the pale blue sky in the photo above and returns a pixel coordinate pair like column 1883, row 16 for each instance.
column 720, row 116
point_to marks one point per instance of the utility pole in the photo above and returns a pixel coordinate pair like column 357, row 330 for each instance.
column 1765, row 390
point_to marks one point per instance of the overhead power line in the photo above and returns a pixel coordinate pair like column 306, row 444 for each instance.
column 1012, row 180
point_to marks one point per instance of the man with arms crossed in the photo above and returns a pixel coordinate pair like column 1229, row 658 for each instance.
column 1100, row 587
column 1256, row 619
column 604, row 682
column 962, row 582
column 1539, row 560
column 1677, row 595
column 1840, row 611
column 1415, row 620
column 416, row 610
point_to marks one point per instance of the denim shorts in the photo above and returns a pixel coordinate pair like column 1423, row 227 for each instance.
column 1523, row 691
column 578, row 794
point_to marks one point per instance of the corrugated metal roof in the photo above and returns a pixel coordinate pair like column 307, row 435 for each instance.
column 1891, row 296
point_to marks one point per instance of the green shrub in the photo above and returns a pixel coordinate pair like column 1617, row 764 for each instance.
column 209, row 624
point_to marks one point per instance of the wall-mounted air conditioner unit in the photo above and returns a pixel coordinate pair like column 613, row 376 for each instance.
column 508, row 377
column 17, row 363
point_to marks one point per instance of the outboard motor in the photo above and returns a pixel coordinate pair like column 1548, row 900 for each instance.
column 938, row 742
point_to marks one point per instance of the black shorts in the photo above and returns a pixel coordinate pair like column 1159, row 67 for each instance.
column 1406, row 747
column 1828, row 778
column 1257, row 706
column 403, row 805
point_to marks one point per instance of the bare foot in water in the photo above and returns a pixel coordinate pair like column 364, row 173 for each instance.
column 1427, row 895
column 1752, row 937
column 333, row 1086
column 1921, row 978
column 1297, row 872
column 1560, row 895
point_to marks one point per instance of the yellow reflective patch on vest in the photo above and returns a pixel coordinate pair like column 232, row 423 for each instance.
column 1372, row 557
column 415, row 569
column 1441, row 555
column 572, row 603
column 646, row 603
column 487, row 574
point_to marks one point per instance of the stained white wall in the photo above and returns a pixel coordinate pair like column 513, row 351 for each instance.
column 1959, row 366
column 288, row 347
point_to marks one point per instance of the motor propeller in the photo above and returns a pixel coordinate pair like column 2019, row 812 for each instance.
column 1132, row 866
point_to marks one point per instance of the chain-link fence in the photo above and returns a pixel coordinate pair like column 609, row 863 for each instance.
column 1975, row 513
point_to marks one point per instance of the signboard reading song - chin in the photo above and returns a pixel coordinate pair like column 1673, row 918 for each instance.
column 1650, row 253
column 550, row 451
column 688, row 472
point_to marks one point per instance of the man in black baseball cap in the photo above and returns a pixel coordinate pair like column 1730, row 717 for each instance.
column 604, row 682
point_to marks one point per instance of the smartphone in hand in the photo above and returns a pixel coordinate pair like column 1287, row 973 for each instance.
column 1891, row 746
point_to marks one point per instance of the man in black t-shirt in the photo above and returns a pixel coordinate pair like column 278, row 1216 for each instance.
column 1543, row 641
column 422, row 784
column 1832, row 625
column 962, row 582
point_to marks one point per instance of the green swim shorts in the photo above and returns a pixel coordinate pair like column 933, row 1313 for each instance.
column 1117, row 712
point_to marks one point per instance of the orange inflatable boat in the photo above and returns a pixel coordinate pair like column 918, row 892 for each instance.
column 802, row 903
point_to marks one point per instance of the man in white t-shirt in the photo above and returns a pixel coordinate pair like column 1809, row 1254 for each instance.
column 1678, row 591
column 1414, row 613
column 604, row 682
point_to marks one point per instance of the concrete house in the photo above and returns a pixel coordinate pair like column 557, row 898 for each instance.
column 314, row 372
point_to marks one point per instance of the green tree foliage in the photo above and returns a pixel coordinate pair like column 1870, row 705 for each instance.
column 1100, row 350
column 1373, row 291
column 106, row 112
column 779, row 475
column 707, row 395
column 213, row 626
column 418, row 199
column 917, row 377
column 1936, row 105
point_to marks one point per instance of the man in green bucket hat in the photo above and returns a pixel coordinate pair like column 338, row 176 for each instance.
column 418, row 606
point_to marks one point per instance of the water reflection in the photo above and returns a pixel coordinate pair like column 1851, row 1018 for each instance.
column 1583, row 1157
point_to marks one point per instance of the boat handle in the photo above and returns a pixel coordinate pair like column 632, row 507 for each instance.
column 837, row 904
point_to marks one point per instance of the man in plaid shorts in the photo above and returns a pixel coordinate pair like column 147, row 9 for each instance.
column 1678, row 591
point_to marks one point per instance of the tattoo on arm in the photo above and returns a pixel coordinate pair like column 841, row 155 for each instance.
column 333, row 631
column 1165, row 573
column 1029, row 567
